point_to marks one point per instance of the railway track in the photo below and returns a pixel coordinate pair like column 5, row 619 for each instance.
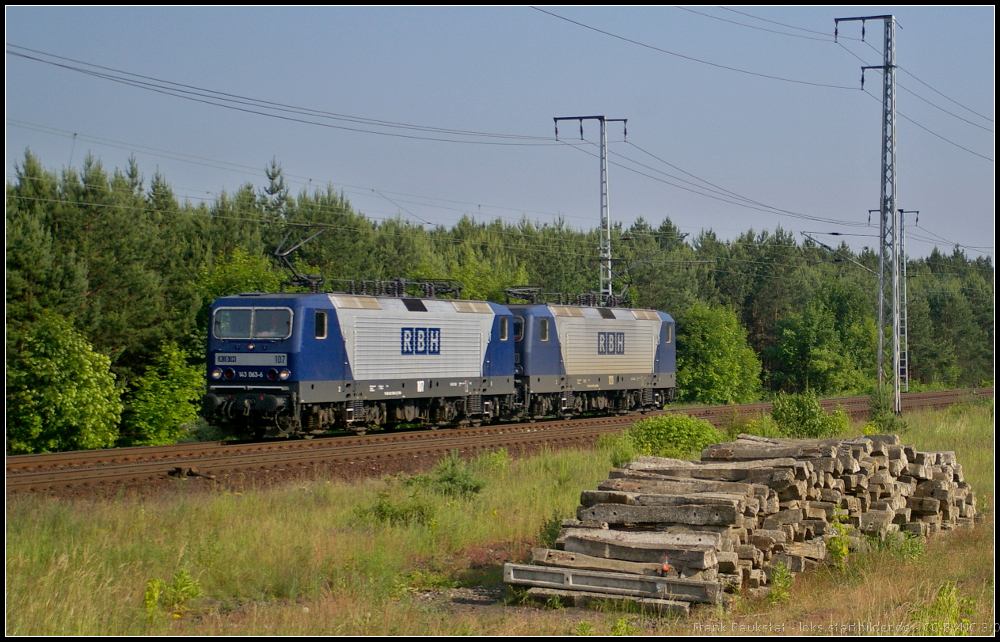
column 353, row 455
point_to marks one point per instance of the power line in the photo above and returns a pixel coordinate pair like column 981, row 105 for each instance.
column 690, row 58
column 296, row 179
column 781, row 24
column 233, row 102
column 944, row 95
column 745, row 203
column 742, row 24
column 933, row 133
column 916, row 95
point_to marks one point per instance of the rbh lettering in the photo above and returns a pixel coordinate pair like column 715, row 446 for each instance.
column 420, row 340
column 610, row 343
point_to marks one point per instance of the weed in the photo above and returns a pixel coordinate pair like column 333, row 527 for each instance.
column 554, row 602
column 839, row 546
column 550, row 531
column 622, row 627
column 387, row 511
column 905, row 546
column 619, row 448
column 584, row 628
column 781, row 584
column 516, row 595
column 418, row 580
column 151, row 600
column 948, row 614
column 172, row 597
column 454, row 477
column 494, row 461
column 760, row 424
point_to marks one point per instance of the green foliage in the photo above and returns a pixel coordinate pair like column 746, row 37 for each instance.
column 454, row 477
column 173, row 598
column 811, row 353
column 165, row 398
column 494, row 461
column 622, row 627
column 839, row 546
column 484, row 277
column 672, row 435
column 550, row 531
column 800, row 415
column 241, row 272
column 781, row 584
column 948, row 614
column 584, row 628
column 715, row 365
column 619, row 448
column 60, row 392
column 385, row 510
column 760, row 424
column 451, row 476
column 881, row 412
column 421, row 580
column 904, row 546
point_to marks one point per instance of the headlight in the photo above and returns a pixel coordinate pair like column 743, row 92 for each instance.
column 284, row 374
column 217, row 373
column 230, row 373
column 272, row 374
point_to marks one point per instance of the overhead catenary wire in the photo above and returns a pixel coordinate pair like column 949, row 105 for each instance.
column 691, row 58
column 916, row 95
column 828, row 38
column 749, row 205
column 903, row 69
column 256, row 106
column 294, row 179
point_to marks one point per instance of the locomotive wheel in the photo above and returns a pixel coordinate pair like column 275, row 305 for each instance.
column 360, row 431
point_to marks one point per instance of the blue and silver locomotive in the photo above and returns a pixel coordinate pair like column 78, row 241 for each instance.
column 290, row 364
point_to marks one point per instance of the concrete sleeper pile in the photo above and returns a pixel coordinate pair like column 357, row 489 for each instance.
column 668, row 533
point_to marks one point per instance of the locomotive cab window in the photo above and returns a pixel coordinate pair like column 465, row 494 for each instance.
column 233, row 323
column 668, row 332
column 252, row 323
column 543, row 330
column 503, row 328
column 518, row 328
column 320, row 324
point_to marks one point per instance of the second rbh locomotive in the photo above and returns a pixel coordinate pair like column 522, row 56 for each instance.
column 288, row 364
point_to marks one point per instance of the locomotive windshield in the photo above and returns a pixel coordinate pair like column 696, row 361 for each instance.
column 253, row 323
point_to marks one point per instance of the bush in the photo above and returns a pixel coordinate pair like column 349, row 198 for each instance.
column 801, row 416
column 715, row 365
column 165, row 398
column 664, row 436
column 881, row 413
column 452, row 477
column 61, row 394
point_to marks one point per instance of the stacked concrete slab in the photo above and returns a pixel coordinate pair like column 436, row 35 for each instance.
column 669, row 533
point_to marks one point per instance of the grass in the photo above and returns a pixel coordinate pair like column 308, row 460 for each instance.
column 313, row 558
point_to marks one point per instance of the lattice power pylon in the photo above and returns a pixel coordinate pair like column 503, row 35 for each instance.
column 889, row 320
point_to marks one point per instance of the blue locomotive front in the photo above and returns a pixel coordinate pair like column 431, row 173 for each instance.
column 281, row 364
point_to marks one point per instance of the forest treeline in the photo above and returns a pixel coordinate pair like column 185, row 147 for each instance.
column 109, row 280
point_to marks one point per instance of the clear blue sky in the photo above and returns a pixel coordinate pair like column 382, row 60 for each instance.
column 811, row 150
